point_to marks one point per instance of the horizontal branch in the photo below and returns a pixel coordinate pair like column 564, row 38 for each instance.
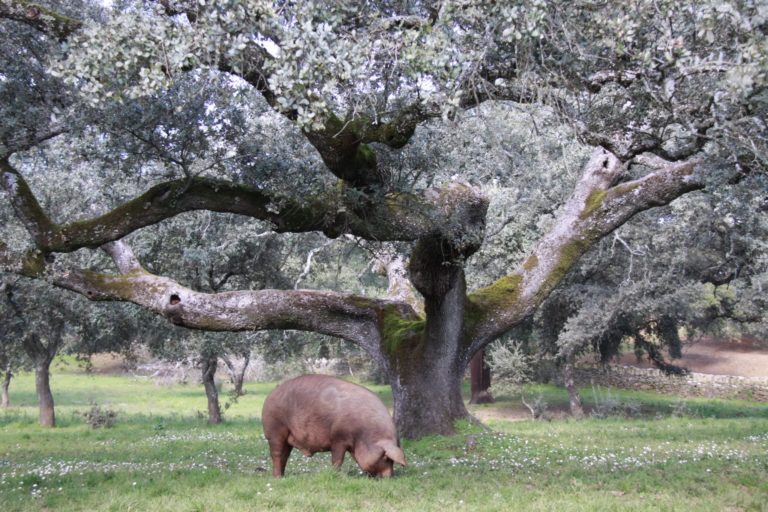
column 595, row 208
column 351, row 317
column 40, row 18
column 389, row 217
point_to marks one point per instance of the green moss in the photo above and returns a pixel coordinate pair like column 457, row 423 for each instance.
column 502, row 293
column 33, row 264
column 531, row 263
column 594, row 200
column 625, row 188
column 569, row 254
column 120, row 285
column 361, row 302
column 365, row 156
column 397, row 331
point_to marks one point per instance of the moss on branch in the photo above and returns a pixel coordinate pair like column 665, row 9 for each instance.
column 502, row 294
column 593, row 202
column 39, row 17
column 531, row 263
column 398, row 331
column 33, row 263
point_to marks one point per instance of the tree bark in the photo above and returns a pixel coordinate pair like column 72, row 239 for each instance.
column 44, row 395
column 237, row 376
column 427, row 399
column 574, row 398
column 209, row 365
column 429, row 366
column 6, row 397
column 480, row 379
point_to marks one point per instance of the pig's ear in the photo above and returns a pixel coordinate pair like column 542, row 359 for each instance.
column 393, row 451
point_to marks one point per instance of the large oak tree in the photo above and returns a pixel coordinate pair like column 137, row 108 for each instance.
column 661, row 89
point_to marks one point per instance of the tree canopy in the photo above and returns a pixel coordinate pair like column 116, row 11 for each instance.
column 316, row 117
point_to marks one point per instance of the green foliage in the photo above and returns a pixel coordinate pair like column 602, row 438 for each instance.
column 510, row 366
column 268, row 93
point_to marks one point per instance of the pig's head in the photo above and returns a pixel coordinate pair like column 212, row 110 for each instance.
column 377, row 459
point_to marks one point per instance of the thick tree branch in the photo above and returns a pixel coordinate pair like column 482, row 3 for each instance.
column 399, row 286
column 40, row 18
column 595, row 208
column 25, row 203
column 351, row 317
column 384, row 217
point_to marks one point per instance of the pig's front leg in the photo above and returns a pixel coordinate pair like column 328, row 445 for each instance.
column 337, row 454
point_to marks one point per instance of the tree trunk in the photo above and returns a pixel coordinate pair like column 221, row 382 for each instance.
column 480, row 379
column 209, row 365
column 427, row 400
column 6, row 398
column 44, row 395
column 237, row 376
column 574, row 398
column 427, row 368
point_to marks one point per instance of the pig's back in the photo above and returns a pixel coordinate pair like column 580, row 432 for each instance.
column 323, row 404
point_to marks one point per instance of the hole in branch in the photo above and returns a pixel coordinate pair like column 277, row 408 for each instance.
column 175, row 299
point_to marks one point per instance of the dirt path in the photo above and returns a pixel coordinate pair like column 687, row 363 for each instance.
column 717, row 357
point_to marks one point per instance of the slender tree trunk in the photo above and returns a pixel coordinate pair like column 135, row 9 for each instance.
column 6, row 398
column 480, row 379
column 237, row 377
column 44, row 395
column 209, row 365
column 574, row 398
column 241, row 374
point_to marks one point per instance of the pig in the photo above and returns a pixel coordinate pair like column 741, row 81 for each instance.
column 318, row 413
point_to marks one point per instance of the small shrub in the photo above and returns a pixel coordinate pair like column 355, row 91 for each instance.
column 680, row 409
column 607, row 405
column 538, row 407
column 97, row 417
column 510, row 366
column 632, row 408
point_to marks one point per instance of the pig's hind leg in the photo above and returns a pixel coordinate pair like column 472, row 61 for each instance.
column 280, row 451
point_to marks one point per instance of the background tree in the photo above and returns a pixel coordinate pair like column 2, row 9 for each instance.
column 41, row 337
column 669, row 91
column 644, row 289
column 12, row 357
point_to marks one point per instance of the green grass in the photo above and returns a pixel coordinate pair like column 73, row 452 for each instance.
column 162, row 456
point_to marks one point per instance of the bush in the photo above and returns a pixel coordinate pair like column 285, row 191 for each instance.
column 538, row 407
column 97, row 417
column 510, row 366
column 607, row 405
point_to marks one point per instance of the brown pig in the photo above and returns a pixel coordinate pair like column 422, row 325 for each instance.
column 318, row 413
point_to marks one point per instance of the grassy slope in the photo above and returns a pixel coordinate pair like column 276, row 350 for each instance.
column 161, row 456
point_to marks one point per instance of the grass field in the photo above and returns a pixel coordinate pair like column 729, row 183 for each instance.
column 161, row 455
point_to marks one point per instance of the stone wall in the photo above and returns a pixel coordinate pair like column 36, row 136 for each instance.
column 693, row 384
